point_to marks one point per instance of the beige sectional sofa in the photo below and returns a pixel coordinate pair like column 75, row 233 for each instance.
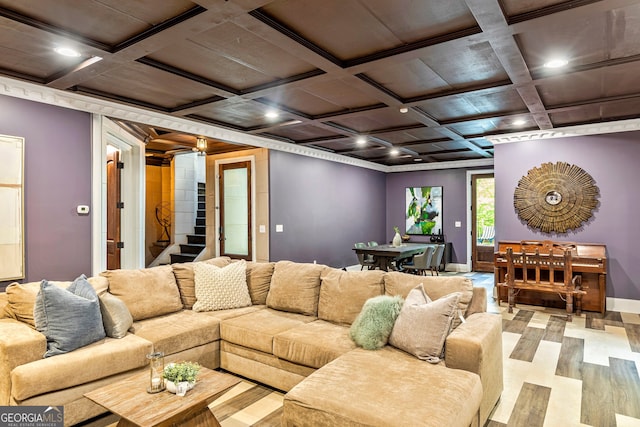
column 293, row 335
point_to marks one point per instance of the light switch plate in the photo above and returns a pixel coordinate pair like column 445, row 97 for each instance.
column 458, row 224
column 279, row 228
column 263, row 229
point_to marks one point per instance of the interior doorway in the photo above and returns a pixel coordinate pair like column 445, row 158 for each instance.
column 482, row 221
column 114, row 206
column 235, row 223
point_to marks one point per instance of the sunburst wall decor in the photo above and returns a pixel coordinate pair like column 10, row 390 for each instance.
column 555, row 197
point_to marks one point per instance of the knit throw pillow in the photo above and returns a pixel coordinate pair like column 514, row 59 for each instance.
column 373, row 325
column 221, row 288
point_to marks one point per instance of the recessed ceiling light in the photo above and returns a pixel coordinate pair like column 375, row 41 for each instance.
column 556, row 63
column 404, row 110
column 519, row 122
column 361, row 140
column 394, row 152
column 272, row 114
column 67, row 51
column 417, row 159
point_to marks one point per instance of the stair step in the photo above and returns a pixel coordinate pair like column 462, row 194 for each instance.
column 191, row 248
column 200, row 229
column 196, row 239
column 202, row 198
column 200, row 213
column 175, row 258
column 201, row 206
column 201, row 221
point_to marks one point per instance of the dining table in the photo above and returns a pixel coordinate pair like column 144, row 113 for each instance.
column 389, row 257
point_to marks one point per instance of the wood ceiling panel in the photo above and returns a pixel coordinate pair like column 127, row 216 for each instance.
column 375, row 120
column 434, row 147
column 24, row 50
column 606, row 111
column 232, row 56
column 107, row 21
column 143, row 83
column 244, row 114
column 458, row 156
column 303, row 132
column 516, row 7
column 593, row 84
column 472, row 65
column 408, row 135
column 493, row 125
column 303, row 101
column 482, row 102
column 354, row 28
column 587, row 39
column 339, row 93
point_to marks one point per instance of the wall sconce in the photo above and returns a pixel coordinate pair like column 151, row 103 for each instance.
column 201, row 144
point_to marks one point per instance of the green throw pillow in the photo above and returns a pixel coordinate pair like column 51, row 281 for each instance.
column 372, row 327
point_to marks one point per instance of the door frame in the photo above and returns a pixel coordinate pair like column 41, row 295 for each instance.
column 470, row 225
column 252, row 161
column 105, row 132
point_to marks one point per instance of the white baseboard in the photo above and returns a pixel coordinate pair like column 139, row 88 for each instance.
column 461, row 268
column 623, row 305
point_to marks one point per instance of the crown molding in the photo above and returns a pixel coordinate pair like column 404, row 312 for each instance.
column 75, row 101
column 580, row 130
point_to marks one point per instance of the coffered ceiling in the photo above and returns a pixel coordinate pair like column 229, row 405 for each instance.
column 336, row 70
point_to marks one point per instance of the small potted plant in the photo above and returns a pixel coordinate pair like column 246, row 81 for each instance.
column 180, row 376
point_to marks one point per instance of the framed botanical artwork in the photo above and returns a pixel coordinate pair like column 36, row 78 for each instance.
column 423, row 210
column 12, row 202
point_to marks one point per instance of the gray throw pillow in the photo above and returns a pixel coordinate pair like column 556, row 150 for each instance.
column 69, row 318
column 373, row 325
column 423, row 325
column 116, row 317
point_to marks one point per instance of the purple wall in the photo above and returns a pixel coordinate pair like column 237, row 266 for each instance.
column 454, row 200
column 325, row 208
column 57, row 179
column 612, row 161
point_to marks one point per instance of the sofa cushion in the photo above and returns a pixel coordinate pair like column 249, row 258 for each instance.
column 313, row 344
column 295, row 287
column 21, row 297
column 396, row 283
column 387, row 387
column 256, row 330
column 423, row 325
column 372, row 327
column 90, row 363
column 116, row 317
column 258, row 280
column 175, row 332
column 233, row 312
column 184, row 275
column 343, row 293
column 147, row 292
column 69, row 318
column 221, row 288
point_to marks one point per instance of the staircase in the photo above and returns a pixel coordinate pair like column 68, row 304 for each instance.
column 196, row 242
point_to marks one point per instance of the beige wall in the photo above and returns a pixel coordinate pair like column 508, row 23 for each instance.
column 261, row 198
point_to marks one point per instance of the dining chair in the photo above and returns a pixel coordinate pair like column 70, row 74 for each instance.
column 436, row 259
column 373, row 243
column 363, row 259
column 421, row 263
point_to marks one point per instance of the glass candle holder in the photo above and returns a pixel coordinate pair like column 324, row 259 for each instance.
column 156, row 369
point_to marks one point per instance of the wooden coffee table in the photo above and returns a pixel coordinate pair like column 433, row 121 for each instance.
column 129, row 399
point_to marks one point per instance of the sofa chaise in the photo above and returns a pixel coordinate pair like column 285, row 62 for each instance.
column 290, row 329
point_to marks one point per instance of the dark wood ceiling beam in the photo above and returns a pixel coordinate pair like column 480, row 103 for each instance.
column 491, row 19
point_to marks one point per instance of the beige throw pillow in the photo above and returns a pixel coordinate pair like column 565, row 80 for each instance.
column 148, row 292
column 221, row 288
column 115, row 316
column 184, row 277
column 258, row 280
column 295, row 287
column 423, row 325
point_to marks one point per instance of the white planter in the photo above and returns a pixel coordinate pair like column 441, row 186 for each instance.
column 173, row 388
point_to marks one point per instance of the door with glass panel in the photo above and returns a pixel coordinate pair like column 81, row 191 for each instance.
column 483, row 220
column 235, row 210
